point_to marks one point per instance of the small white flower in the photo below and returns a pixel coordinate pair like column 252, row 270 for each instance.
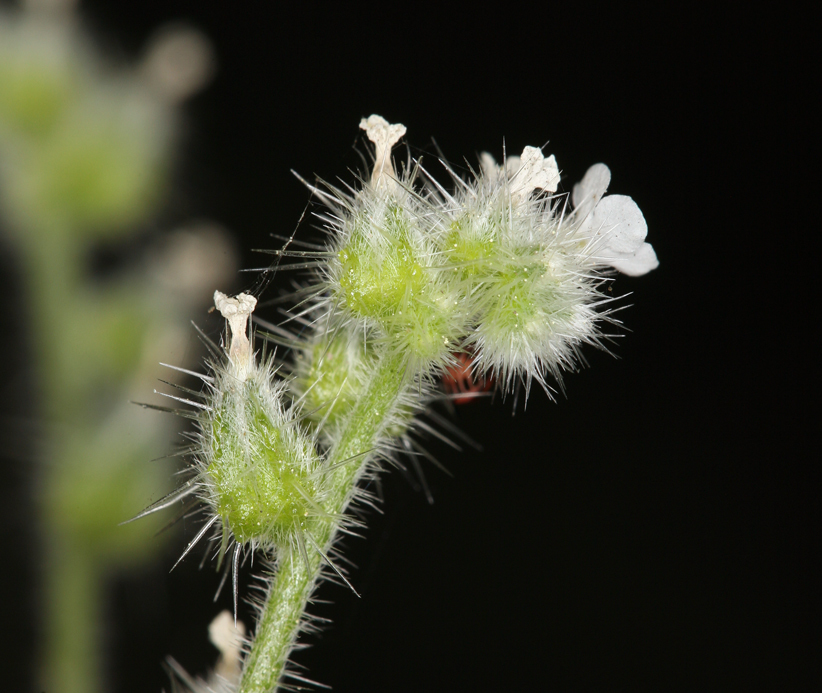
column 384, row 137
column 534, row 173
column 236, row 311
column 613, row 223
column 228, row 636
column 526, row 173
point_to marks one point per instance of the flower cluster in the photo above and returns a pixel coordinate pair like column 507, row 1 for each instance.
column 412, row 281
column 501, row 267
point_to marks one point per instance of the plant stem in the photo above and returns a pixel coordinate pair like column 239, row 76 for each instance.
column 295, row 579
column 72, row 660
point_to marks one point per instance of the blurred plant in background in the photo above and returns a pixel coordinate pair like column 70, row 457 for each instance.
column 86, row 151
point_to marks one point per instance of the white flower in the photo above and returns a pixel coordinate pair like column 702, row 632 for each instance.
column 236, row 311
column 228, row 636
column 526, row 173
column 384, row 136
column 534, row 173
column 613, row 224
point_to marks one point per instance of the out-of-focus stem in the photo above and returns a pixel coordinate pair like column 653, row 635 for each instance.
column 72, row 658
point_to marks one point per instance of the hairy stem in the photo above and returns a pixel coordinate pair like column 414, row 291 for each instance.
column 295, row 578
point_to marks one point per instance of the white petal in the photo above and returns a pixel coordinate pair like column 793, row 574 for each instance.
column 489, row 166
column 618, row 230
column 589, row 191
column 535, row 173
column 620, row 223
column 642, row 262
column 512, row 165
column 541, row 173
column 226, row 636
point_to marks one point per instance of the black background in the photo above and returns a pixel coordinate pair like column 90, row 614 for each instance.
column 653, row 530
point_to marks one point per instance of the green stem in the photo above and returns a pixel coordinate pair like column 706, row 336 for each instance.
column 295, row 580
column 71, row 662
column 70, row 657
